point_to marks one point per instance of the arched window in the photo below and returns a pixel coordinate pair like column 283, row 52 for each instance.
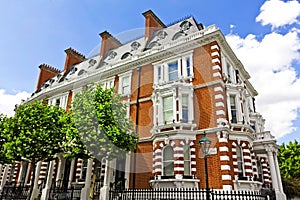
column 168, row 161
column 239, row 155
column 187, row 160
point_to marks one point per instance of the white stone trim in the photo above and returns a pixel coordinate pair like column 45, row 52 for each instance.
column 178, row 169
column 226, row 177
column 220, row 104
column 223, row 140
column 217, row 74
column 220, row 112
column 219, row 96
column 224, row 158
column 216, row 67
column 214, row 47
column 224, row 149
column 225, row 167
column 215, row 53
column 216, row 60
column 227, row 187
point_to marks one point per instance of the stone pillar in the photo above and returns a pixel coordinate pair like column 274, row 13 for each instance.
column 275, row 174
column 28, row 173
column 46, row 190
column 61, row 167
column 85, row 192
column 104, row 192
column 279, row 177
column 127, row 169
column 35, row 190
column 71, row 173
column 4, row 176
column 273, row 170
column 278, row 172
column 20, row 177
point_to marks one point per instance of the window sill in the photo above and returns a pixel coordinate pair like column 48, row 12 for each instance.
column 175, row 126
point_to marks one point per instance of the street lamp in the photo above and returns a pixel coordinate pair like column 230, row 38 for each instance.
column 205, row 144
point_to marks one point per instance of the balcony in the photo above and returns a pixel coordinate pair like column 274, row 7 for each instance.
column 261, row 140
column 247, row 183
column 174, row 127
column 174, row 181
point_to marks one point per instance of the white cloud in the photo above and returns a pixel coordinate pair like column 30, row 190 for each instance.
column 270, row 64
column 8, row 101
column 279, row 13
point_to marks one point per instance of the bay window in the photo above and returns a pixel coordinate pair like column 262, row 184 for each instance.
column 173, row 106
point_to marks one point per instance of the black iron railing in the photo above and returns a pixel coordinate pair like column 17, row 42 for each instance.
column 183, row 193
column 14, row 192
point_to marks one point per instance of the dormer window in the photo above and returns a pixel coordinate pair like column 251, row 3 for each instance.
column 112, row 55
column 161, row 35
column 135, row 45
column 184, row 26
column 92, row 62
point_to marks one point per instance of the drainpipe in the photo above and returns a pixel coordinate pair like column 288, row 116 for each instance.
column 136, row 125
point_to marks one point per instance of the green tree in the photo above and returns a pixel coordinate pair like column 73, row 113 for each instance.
column 3, row 157
column 289, row 164
column 102, row 122
column 36, row 133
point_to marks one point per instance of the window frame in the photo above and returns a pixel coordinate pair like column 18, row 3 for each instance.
column 187, row 162
column 121, row 82
column 184, row 70
column 240, row 160
column 60, row 100
column 167, row 162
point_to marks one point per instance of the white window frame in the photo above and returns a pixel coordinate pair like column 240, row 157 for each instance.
column 241, row 161
column 159, row 109
column 63, row 100
column 239, row 114
column 167, row 161
column 161, row 69
column 120, row 88
column 188, row 161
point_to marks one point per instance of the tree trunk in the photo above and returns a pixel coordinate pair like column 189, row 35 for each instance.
column 32, row 181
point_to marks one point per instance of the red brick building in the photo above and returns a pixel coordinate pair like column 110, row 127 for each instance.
column 179, row 81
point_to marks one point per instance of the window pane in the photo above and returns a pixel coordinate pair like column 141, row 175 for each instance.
column 159, row 73
column 188, row 67
column 168, row 161
column 168, row 109
column 239, row 160
column 233, row 109
column 185, row 110
column 125, row 85
column 173, row 71
column 187, row 160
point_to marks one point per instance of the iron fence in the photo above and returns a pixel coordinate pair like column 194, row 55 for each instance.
column 12, row 192
column 61, row 190
column 184, row 194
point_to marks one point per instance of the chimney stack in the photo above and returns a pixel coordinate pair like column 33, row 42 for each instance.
column 73, row 57
column 108, row 42
column 152, row 23
column 46, row 72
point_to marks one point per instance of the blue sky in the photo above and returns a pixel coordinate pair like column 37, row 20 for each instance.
column 35, row 32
